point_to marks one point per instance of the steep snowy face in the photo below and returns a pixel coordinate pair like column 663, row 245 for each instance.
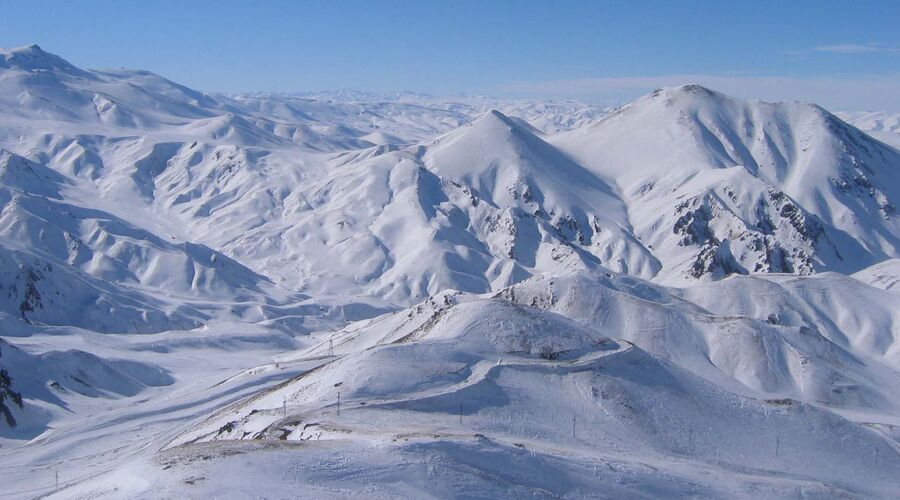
column 724, row 221
column 803, row 191
column 507, row 165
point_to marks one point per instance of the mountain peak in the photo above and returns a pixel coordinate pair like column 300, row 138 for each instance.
column 494, row 120
column 494, row 116
column 693, row 99
column 689, row 92
column 693, row 88
column 34, row 58
column 498, row 114
column 507, row 163
column 24, row 49
column 693, row 94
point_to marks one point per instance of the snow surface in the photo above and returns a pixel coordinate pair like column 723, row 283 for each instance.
column 342, row 293
column 879, row 124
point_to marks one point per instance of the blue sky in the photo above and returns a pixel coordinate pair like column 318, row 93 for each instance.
column 845, row 55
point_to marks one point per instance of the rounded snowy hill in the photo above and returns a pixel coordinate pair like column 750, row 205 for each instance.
column 502, row 398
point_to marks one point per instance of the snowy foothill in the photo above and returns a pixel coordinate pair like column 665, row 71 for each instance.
column 341, row 293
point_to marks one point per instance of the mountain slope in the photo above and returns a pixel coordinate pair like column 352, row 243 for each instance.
column 794, row 166
column 884, row 275
column 510, row 381
column 680, row 185
column 767, row 338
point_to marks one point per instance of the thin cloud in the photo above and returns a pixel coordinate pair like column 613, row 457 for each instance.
column 850, row 93
column 858, row 48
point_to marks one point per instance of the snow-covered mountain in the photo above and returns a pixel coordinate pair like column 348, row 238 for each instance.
column 494, row 397
column 718, row 185
column 688, row 295
column 680, row 185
